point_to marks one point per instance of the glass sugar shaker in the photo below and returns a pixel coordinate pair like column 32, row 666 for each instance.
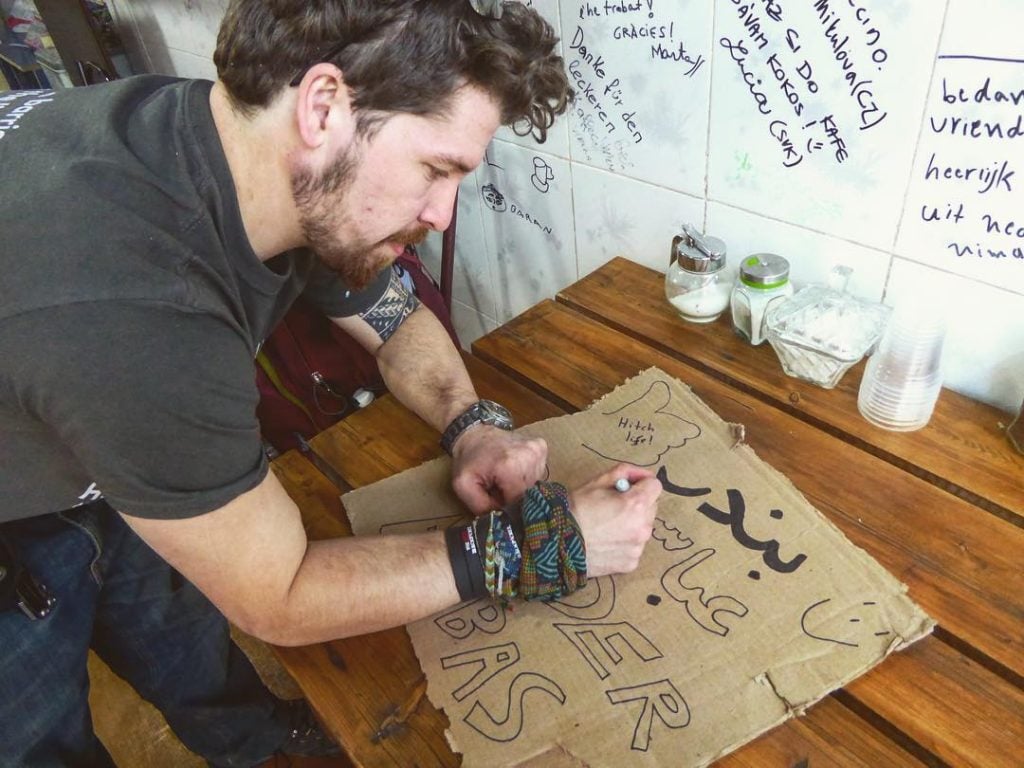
column 762, row 282
column 694, row 282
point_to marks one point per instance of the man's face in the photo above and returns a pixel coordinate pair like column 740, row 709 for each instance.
column 378, row 194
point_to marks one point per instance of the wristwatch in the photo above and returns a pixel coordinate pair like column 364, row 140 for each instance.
column 480, row 412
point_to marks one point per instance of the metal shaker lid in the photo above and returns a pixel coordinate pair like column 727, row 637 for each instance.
column 697, row 252
column 764, row 270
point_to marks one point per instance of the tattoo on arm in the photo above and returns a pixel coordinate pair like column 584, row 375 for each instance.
column 390, row 311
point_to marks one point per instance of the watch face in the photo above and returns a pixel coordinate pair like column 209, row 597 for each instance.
column 496, row 413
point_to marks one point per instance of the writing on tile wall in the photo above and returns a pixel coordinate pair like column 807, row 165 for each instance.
column 966, row 210
column 816, row 107
column 784, row 75
column 638, row 68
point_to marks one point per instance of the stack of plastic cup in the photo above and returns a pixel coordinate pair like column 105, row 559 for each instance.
column 903, row 378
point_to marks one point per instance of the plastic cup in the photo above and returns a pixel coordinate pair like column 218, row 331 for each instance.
column 903, row 378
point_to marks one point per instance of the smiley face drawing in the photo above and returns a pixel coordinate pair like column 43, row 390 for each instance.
column 848, row 628
column 494, row 199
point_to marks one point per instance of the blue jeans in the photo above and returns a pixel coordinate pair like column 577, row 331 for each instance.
column 151, row 626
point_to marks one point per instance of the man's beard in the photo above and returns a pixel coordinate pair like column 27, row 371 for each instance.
column 320, row 201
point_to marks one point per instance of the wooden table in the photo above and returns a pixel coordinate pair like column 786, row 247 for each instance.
column 941, row 508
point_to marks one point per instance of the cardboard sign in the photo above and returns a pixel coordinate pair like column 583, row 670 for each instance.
column 748, row 606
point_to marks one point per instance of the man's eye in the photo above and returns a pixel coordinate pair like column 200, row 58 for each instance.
column 433, row 174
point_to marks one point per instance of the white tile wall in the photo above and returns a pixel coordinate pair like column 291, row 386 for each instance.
column 172, row 37
column 184, row 64
column 185, row 25
column 526, row 208
column 708, row 156
column 472, row 283
column 640, row 71
column 770, row 151
column 617, row 216
column 972, row 225
column 811, row 255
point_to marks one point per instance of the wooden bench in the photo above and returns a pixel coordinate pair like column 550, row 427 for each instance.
column 942, row 509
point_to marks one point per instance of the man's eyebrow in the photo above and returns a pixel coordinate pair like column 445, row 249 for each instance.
column 453, row 162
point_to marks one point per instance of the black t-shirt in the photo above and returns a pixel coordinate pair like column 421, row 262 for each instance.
column 131, row 304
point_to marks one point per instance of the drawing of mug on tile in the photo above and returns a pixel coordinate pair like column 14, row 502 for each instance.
column 643, row 430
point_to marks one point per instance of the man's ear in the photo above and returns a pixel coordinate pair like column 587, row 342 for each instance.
column 323, row 107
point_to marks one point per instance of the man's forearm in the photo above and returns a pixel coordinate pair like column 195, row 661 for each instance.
column 424, row 370
column 251, row 557
column 356, row 585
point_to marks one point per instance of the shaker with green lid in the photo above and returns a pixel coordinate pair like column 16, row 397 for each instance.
column 763, row 280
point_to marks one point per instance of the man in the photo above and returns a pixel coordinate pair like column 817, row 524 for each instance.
column 184, row 218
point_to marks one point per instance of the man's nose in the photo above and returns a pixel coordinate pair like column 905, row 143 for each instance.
column 437, row 213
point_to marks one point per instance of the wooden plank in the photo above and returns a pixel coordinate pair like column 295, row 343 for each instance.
column 368, row 445
column 415, row 441
column 963, row 445
column 322, row 513
column 961, row 564
column 355, row 684
column 524, row 404
column 828, row 735
column 968, row 717
column 367, row 690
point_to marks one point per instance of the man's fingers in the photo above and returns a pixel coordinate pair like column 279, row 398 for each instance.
column 497, row 468
column 630, row 472
column 649, row 488
column 473, row 494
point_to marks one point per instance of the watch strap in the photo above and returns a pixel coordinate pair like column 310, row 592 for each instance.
column 480, row 412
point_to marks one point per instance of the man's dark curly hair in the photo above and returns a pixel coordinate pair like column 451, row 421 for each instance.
column 396, row 55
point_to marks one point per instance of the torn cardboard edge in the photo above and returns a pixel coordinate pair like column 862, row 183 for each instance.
column 561, row 757
column 749, row 608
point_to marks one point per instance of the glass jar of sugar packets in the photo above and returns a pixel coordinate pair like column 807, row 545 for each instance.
column 694, row 283
column 762, row 282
